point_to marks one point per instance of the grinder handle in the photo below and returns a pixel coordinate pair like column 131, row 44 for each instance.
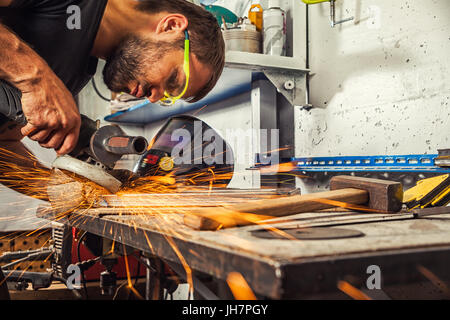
column 10, row 103
column 11, row 107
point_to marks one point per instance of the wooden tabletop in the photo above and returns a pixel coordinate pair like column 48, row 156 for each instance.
column 269, row 264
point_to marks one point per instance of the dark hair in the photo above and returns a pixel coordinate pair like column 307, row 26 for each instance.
column 206, row 40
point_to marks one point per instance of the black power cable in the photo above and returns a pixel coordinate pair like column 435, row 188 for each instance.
column 137, row 272
column 98, row 92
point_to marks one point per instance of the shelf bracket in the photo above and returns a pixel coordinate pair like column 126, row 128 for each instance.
column 290, row 83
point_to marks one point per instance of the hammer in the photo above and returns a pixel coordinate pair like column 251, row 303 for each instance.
column 377, row 195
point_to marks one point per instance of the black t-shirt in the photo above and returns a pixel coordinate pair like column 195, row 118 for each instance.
column 43, row 24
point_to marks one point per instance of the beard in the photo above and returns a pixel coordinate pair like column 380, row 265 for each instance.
column 134, row 59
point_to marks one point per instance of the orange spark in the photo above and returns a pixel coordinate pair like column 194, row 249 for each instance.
column 434, row 279
column 130, row 284
column 239, row 287
column 353, row 292
column 278, row 168
column 346, row 205
column 186, row 267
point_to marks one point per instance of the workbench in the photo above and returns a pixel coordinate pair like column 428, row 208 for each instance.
column 408, row 251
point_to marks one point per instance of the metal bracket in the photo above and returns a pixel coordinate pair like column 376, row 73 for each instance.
column 290, row 83
column 333, row 21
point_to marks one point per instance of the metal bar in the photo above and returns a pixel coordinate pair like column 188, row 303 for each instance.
column 11, row 256
column 299, row 32
column 148, row 275
column 155, row 289
column 420, row 213
column 414, row 160
column 371, row 169
column 37, row 256
column 381, row 163
column 332, row 13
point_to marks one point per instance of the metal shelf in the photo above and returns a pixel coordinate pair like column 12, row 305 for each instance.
column 262, row 62
column 287, row 74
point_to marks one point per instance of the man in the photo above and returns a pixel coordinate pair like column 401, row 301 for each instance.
column 143, row 44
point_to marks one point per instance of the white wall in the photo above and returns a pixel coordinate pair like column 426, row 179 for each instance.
column 381, row 83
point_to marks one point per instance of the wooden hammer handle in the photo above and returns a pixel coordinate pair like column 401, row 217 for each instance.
column 251, row 212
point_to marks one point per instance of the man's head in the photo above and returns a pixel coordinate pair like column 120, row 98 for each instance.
column 149, row 61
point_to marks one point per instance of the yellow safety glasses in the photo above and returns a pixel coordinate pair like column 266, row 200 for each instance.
column 168, row 99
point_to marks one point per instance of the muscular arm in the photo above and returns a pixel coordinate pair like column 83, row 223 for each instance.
column 42, row 91
column 20, row 66
column 53, row 117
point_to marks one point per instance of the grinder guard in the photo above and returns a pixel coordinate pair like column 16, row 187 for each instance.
column 191, row 151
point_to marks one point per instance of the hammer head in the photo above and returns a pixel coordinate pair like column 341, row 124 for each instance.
column 384, row 195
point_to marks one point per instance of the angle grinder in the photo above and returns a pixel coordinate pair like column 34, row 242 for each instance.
column 97, row 150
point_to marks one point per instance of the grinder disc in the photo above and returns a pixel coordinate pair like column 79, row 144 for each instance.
column 314, row 233
column 91, row 172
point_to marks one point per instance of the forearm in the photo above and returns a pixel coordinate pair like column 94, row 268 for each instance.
column 52, row 115
column 21, row 65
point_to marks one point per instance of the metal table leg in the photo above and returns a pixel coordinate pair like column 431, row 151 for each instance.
column 4, row 293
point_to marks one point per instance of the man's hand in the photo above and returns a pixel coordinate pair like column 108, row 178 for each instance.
column 51, row 112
